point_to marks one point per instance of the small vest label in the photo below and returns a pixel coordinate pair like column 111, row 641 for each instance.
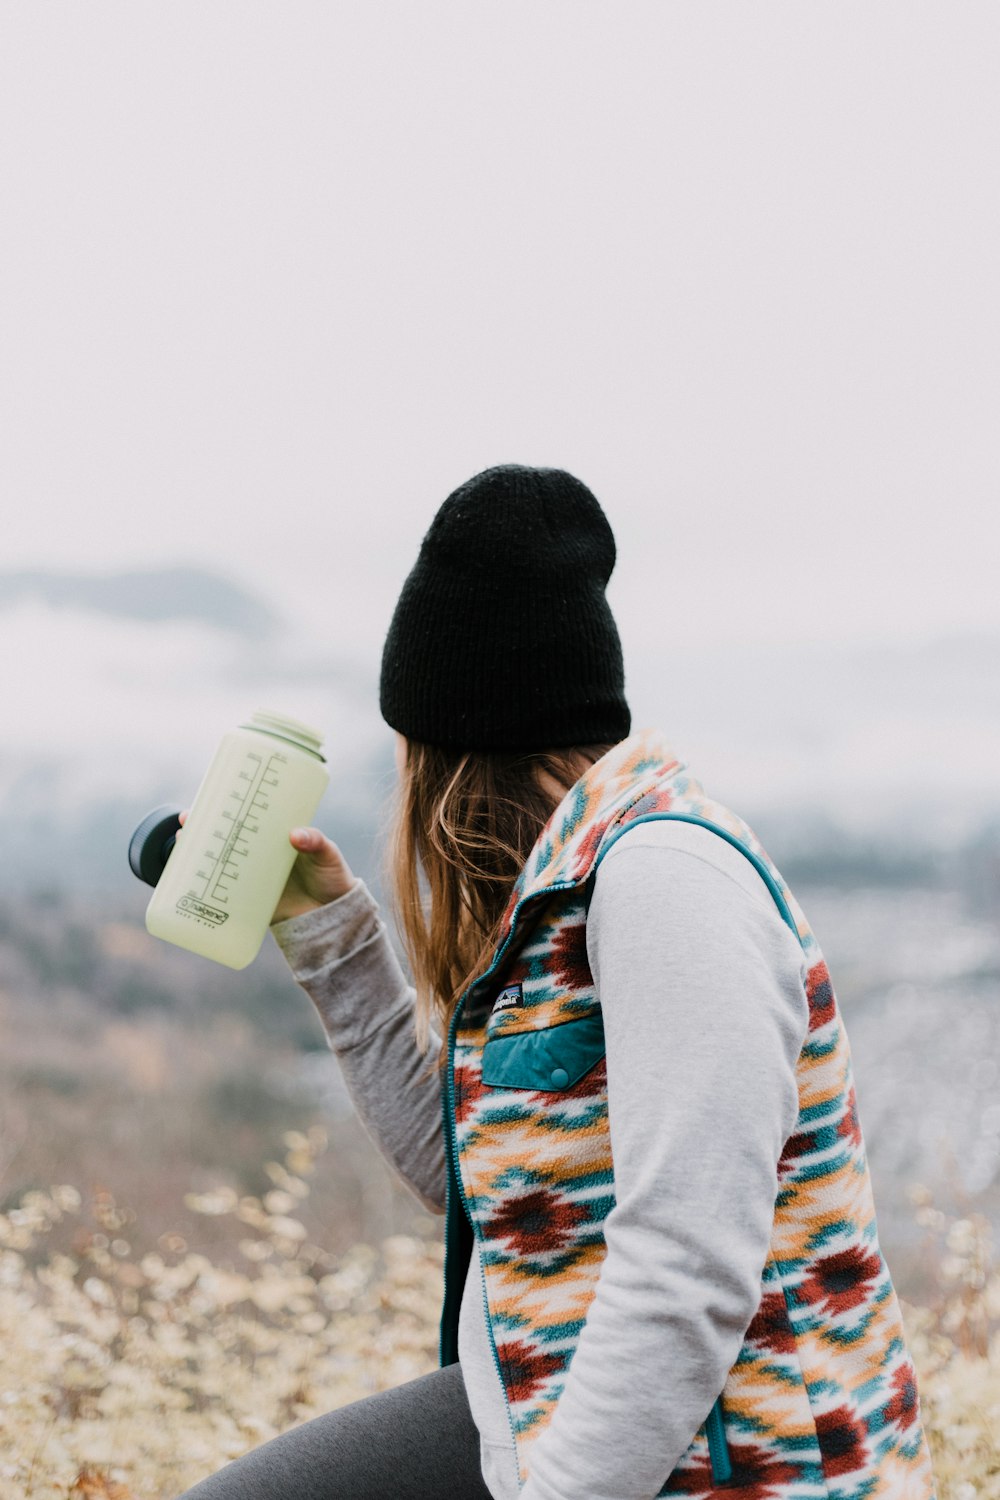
column 508, row 998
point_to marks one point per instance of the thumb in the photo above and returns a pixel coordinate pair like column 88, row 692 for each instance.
column 312, row 841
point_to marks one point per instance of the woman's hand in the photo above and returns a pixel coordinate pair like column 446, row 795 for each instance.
column 320, row 874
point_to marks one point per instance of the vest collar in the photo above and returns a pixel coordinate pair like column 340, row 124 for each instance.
column 565, row 850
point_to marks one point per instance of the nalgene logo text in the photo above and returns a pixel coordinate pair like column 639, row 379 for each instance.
column 190, row 906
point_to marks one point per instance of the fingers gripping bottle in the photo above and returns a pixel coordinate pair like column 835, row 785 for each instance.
column 229, row 863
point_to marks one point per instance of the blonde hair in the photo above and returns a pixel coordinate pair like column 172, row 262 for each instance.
column 463, row 826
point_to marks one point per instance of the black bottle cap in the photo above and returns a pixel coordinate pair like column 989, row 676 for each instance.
column 152, row 842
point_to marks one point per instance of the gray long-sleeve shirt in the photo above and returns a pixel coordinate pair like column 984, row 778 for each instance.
column 702, row 992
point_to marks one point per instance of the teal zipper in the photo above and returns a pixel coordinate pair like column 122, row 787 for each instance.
column 456, row 1232
column 718, row 1448
column 455, row 1174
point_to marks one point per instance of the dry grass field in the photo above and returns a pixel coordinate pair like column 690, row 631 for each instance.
column 129, row 1375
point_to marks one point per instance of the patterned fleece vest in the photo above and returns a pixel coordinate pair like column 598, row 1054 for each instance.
column 822, row 1400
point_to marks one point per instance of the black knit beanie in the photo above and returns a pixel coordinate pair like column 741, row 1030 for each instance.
column 502, row 638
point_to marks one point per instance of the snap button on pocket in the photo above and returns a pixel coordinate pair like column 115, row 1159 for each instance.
column 545, row 1057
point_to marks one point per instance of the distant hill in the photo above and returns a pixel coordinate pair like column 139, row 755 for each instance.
column 854, row 762
column 156, row 594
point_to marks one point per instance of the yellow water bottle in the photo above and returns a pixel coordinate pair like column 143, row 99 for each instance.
column 219, row 878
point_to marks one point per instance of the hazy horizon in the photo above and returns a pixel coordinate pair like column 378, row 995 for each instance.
column 877, row 739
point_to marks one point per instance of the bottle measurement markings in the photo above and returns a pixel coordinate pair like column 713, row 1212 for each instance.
column 222, row 870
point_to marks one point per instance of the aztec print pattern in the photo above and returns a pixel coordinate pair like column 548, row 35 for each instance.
column 821, row 1403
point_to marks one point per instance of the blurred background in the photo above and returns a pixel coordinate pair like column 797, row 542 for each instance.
column 274, row 281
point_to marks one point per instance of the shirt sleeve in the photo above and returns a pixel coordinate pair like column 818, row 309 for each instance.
column 702, row 988
column 341, row 955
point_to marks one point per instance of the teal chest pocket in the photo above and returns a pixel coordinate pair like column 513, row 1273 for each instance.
column 553, row 1058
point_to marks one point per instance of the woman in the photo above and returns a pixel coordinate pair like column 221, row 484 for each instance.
column 663, row 1274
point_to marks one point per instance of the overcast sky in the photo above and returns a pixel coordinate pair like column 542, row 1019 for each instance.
column 275, row 278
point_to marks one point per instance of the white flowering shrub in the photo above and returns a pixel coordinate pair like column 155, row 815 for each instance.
column 131, row 1376
column 955, row 1343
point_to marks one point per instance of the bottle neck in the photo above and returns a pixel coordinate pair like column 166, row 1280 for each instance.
column 280, row 727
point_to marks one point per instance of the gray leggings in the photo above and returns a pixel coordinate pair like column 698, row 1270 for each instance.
column 416, row 1442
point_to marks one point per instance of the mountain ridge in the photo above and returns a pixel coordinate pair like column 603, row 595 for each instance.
column 153, row 595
